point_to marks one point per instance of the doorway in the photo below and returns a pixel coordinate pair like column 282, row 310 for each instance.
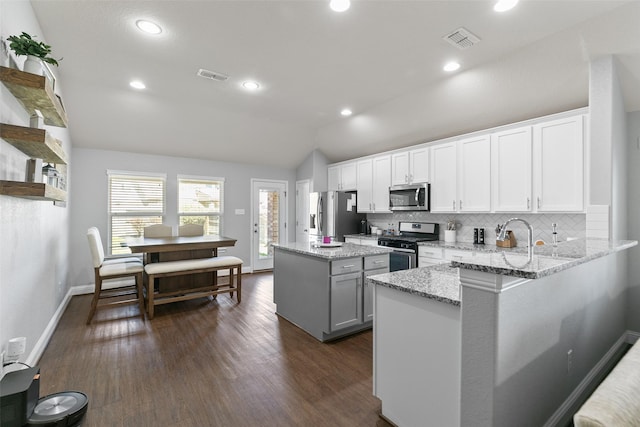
column 269, row 220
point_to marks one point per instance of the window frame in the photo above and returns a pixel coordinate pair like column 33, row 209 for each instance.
column 133, row 175
column 212, row 179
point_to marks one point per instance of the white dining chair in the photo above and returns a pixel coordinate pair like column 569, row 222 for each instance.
column 189, row 230
column 158, row 230
column 115, row 268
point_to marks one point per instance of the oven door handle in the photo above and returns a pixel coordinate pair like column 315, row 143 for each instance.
column 409, row 251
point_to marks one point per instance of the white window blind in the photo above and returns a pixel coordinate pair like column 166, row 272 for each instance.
column 200, row 201
column 135, row 201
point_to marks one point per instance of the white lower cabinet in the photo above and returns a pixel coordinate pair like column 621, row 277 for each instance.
column 428, row 255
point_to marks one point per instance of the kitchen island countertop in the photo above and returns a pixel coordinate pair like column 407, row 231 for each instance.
column 438, row 282
column 347, row 250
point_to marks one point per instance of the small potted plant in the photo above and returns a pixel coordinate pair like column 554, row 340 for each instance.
column 35, row 51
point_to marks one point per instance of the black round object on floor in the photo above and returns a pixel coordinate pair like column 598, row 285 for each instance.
column 64, row 409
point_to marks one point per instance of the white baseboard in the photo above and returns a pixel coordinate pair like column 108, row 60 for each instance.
column 564, row 413
column 44, row 339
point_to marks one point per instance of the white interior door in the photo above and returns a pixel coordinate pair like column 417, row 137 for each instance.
column 269, row 213
column 302, row 211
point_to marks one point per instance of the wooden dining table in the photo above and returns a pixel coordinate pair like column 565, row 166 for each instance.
column 174, row 248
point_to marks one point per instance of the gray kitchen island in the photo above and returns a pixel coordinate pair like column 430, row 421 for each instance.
column 322, row 289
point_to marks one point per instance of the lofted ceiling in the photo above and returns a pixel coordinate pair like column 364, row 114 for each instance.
column 383, row 59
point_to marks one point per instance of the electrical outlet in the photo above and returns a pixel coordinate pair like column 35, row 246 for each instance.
column 569, row 361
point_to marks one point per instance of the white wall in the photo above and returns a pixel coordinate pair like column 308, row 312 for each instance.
column 34, row 234
column 89, row 207
column 314, row 168
column 633, row 197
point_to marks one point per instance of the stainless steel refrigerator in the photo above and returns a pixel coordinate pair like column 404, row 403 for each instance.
column 333, row 213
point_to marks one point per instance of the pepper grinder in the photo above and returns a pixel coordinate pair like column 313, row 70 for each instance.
column 481, row 236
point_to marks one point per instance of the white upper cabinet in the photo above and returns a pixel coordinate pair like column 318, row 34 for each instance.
column 342, row 177
column 374, row 178
column 410, row 166
column 511, row 170
column 444, row 178
column 558, row 165
column 474, row 174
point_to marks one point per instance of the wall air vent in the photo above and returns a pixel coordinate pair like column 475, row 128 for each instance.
column 212, row 75
column 462, row 38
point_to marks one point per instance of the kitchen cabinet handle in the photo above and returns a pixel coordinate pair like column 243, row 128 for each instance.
column 528, row 204
column 454, row 205
column 538, row 202
column 410, row 178
column 406, row 178
column 460, row 204
column 374, row 206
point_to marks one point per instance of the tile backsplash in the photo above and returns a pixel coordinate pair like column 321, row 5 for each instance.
column 569, row 225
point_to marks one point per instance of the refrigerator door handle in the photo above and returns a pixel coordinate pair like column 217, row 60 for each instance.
column 320, row 215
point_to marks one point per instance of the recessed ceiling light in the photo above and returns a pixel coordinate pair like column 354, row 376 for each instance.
column 251, row 85
column 148, row 27
column 137, row 84
column 504, row 5
column 346, row 112
column 339, row 5
column 451, row 66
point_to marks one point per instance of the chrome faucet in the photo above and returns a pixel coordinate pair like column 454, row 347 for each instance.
column 503, row 234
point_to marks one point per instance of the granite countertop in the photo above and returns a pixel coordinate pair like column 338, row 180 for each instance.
column 438, row 282
column 347, row 250
column 546, row 259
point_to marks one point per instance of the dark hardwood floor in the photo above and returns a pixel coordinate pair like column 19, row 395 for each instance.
column 209, row 363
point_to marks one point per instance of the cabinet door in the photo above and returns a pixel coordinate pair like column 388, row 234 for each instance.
column 365, row 185
column 346, row 300
column 443, row 178
column 474, row 174
column 419, row 165
column 367, row 295
column 511, row 170
column 380, row 183
column 348, row 176
column 333, row 178
column 400, row 168
column 559, row 165
column 352, row 240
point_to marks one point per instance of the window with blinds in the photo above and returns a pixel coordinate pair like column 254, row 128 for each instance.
column 135, row 201
column 200, row 202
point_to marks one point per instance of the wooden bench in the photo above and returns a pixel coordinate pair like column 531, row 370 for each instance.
column 615, row 402
column 193, row 266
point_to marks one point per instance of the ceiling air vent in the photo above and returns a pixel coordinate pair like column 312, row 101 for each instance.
column 212, row 75
column 462, row 38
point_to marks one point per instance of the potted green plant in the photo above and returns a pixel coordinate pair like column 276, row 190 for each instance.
column 35, row 51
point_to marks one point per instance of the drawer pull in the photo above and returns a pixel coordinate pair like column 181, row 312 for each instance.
column 378, row 262
column 348, row 266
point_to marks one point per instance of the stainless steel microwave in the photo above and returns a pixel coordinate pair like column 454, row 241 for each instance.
column 410, row 197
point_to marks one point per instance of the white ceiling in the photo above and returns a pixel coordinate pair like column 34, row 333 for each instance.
column 383, row 59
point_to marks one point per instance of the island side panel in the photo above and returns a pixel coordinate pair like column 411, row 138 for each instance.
column 301, row 291
column 416, row 358
column 526, row 333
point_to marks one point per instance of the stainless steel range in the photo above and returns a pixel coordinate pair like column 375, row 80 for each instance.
column 405, row 244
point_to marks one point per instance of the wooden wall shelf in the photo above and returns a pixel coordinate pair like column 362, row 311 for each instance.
column 32, row 190
column 36, row 143
column 34, row 93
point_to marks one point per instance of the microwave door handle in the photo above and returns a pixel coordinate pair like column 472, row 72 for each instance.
column 417, row 197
